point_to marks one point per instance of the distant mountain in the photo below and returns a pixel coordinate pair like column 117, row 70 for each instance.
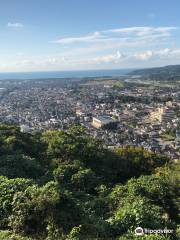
column 168, row 72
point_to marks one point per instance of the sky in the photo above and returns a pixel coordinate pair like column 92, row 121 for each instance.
column 55, row 35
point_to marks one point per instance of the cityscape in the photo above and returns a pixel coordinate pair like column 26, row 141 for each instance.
column 144, row 115
column 89, row 120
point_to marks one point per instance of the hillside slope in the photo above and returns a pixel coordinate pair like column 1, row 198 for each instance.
column 64, row 185
column 172, row 72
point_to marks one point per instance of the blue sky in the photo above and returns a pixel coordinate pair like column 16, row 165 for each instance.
column 37, row 35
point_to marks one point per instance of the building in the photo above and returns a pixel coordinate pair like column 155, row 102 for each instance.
column 156, row 115
column 25, row 128
column 80, row 113
column 102, row 121
column 162, row 115
column 168, row 115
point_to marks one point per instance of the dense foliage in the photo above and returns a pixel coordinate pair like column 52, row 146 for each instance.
column 66, row 185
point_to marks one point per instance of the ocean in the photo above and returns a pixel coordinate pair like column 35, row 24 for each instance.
column 64, row 74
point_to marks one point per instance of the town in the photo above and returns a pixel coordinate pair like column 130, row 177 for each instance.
column 119, row 111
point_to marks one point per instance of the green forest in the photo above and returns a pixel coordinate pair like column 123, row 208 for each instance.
column 65, row 185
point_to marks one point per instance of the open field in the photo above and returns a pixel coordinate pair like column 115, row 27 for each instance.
column 109, row 82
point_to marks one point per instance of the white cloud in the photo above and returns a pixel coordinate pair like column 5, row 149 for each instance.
column 165, row 53
column 55, row 60
column 141, row 30
column 131, row 33
column 111, row 58
column 117, row 39
column 52, row 61
column 87, row 38
column 15, row 25
column 116, row 59
column 144, row 56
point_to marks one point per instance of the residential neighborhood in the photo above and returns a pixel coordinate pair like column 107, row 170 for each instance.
column 118, row 111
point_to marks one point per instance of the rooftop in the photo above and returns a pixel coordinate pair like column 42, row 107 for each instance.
column 104, row 118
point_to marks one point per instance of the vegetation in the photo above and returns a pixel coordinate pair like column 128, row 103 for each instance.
column 171, row 73
column 66, row 185
column 109, row 82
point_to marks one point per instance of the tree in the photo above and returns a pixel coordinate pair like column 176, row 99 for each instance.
column 7, row 235
column 38, row 208
column 102, row 195
column 140, row 161
column 18, row 165
column 144, row 237
column 71, row 144
column 137, row 211
column 147, row 201
column 76, row 177
column 8, row 188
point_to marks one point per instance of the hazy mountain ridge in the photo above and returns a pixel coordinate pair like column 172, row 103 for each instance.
column 168, row 72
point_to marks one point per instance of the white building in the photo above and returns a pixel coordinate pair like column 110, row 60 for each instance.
column 25, row 129
column 101, row 121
